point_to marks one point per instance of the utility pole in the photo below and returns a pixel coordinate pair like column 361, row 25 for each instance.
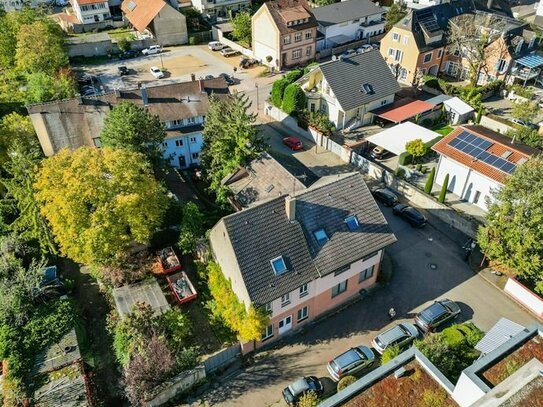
column 257, row 104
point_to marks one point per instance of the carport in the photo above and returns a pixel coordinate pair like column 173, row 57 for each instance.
column 403, row 110
column 395, row 138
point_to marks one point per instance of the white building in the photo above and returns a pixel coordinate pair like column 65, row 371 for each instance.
column 91, row 11
column 347, row 21
column 478, row 161
column 349, row 88
column 220, row 9
column 418, row 4
column 184, row 141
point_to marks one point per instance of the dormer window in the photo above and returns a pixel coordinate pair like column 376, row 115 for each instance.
column 278, row 265
column 366, row 88
column 352, row 223
column 321, row 236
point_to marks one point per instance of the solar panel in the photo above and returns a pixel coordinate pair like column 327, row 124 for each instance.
column 475, row 146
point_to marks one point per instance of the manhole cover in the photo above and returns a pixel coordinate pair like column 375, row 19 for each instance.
column 428, row 254
column 432, row 266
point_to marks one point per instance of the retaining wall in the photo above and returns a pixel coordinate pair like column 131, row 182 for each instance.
column 524, row 296
column 176, row 385
column 495, row 125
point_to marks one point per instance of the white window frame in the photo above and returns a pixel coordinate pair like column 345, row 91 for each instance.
column 286, row 40
column 308, row 51
column 195, row 156
column 297, row 37
column 405, row 40
column 391, row 52
column 339, row 288
column 268, row 332
column 296, row 54
column 285, row 300
column 439, row 53
column 179, row 143
column 268, row 307
column 193, row 139
column 430, row 54
column 272, row 261
column 366, row 274
column 304, row 290
column 308, row 35
column 396, row 37
column 302, row 314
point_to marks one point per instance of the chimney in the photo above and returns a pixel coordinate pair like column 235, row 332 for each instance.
column 201, row 85
column 290, row 208
column 489, row 4
column 192, row 77
column 144, row 96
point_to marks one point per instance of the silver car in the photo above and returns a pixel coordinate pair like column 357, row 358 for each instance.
column 401, row 335
column 437, row 314
column 351, row 362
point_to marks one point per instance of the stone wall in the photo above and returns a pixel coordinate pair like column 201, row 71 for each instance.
column 495, row 125
column 172, row 388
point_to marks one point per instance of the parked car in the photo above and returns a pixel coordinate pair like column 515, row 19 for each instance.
column 353, row 361
column 129, row 54
column 385, row 195
column 379, row 153
column 153, row 49
column 525, row 124
column 228, row 52
column 209, row 77
column 87, row 79
column 364, row 48
column 245, row 62
column 227, row 78
column 123, row 70
column 437, row 314
column 410, row 214
column 296, row 390
column 215, row 45
column 401, row 335
column 294, row 143
column 156, row 72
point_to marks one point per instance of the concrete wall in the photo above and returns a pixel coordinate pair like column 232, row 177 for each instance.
column 234, row 45
column 222, row 359
column 286, row 120
column 524, row 296
column 175, row 386
column 495, row 125
column 265, row 37
column 170, row 27
column 105, row 47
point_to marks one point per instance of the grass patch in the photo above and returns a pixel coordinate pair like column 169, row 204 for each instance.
column 443, row 129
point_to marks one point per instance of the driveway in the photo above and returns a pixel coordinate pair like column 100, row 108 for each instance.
column 427, row 265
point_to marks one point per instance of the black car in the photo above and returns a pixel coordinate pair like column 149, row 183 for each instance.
column 293, row 392
column 227, row 78
column 411, row 215
column 87, row 79
column 436, row 314
column 385, row 195
column 123, row 70
column 129, row 54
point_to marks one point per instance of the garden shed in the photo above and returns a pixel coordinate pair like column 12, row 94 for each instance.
column 147, row 291
column 458, row 111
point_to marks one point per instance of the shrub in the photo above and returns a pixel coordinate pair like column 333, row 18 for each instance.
column 522, row 91
column 345, row 382
column 390, row 353
column 317, row 120
column 293, row 76
column 443, row 192
column 400, row 173
column 427, row 123
column 405, row 158
column 424, row 170
column 309, row 67
column 416, row 148
column 194, row 40
column 269, row 58
column 430, row 181
column 278, row 90
column 123, row 44
column 309, row 399
column 418, row 167
column 293, row 99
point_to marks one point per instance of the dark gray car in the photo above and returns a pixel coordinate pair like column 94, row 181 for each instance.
column 351, row 362
column 436, row 314
column 293, row 392
column 400, row 335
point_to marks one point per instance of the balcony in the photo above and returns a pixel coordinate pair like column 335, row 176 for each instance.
column 373, row 22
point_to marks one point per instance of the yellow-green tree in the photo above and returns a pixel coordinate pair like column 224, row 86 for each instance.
column 247, row 323
column 99, row 201
column 416, row 148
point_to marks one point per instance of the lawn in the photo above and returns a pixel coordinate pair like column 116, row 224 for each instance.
column 443, row 129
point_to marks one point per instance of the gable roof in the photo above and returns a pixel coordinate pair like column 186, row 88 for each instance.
column 403, row 109
column 140, row 13
column 262, row 232
column 346, row 76
column 289, row 10
column 500, row 146
column 336, row 13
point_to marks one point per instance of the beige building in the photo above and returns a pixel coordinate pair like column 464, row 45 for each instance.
column 300, row 256
column 286, row 31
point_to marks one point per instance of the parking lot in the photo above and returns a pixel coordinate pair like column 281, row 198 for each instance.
column 178, row 64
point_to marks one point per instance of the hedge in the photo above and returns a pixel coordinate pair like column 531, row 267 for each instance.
column 293, row 99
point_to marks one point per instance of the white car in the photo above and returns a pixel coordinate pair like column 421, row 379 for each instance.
column 153, row 49
column 156, row 72
column 215, row 46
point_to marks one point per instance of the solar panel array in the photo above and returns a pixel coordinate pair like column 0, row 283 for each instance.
column 427, row 19
column 475, row 146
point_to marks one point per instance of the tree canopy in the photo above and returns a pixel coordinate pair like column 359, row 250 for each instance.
column 395, row 13
column 416, row 148
column 512, row 236
column 525, row 111
column 241, row 27
column 132, row 128
column 42, row 87
column 192, row 227
column 230, row 140
column 99, row 201
column 526, row 135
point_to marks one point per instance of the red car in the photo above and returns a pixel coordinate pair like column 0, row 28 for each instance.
column 293, row 143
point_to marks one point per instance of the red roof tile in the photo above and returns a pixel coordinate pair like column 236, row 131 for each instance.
column 500, row 145
column 140, row 13
column 403, row 109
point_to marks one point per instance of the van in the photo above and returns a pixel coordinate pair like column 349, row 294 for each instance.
column 215, row 46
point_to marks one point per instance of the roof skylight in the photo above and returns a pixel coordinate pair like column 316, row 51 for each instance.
column 352, row 222
column 278, row 265
column 321, row 236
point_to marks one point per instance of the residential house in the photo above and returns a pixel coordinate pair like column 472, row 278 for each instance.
column 489, row 382
column 508, row 40
column 478, row 161
column 14, row 5
column 91, row 11
column 299, row 256
column 220, row 9
column 418, row 4
column 347, row 89
column 159, row 18
column 347, row 21
column 182, row 107
column 286, row 32
column 416, row 44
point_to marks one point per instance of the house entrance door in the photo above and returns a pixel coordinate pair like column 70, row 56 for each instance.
column 285, row 325
column 182, row 162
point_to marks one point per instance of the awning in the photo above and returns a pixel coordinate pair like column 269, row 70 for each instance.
column 395, row 138
column 403, row 110
column 530, row 61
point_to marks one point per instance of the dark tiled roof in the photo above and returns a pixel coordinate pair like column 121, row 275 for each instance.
column 263, row 232
column 346, row 77
column 279, row 9
column 345, row 11
column 182, row 131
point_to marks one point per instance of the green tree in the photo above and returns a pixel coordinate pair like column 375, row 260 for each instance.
column 512, row 235
column 241, row 27
column 416, row 148
column 394, row 14
column 40, row 48
column 525, row 111
column 99, row 201
column 390, row 353
column 430, row 181
column 42, row 87
column 192, row 227
column 124, row 44
column 345, row 382
column 293, row 75
column 294, row 99
column 248, row 323
column 133, row 128
column 278, row 90
column 230, row 140
column 24, row 158
column 443, row 192
column 526, row 135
